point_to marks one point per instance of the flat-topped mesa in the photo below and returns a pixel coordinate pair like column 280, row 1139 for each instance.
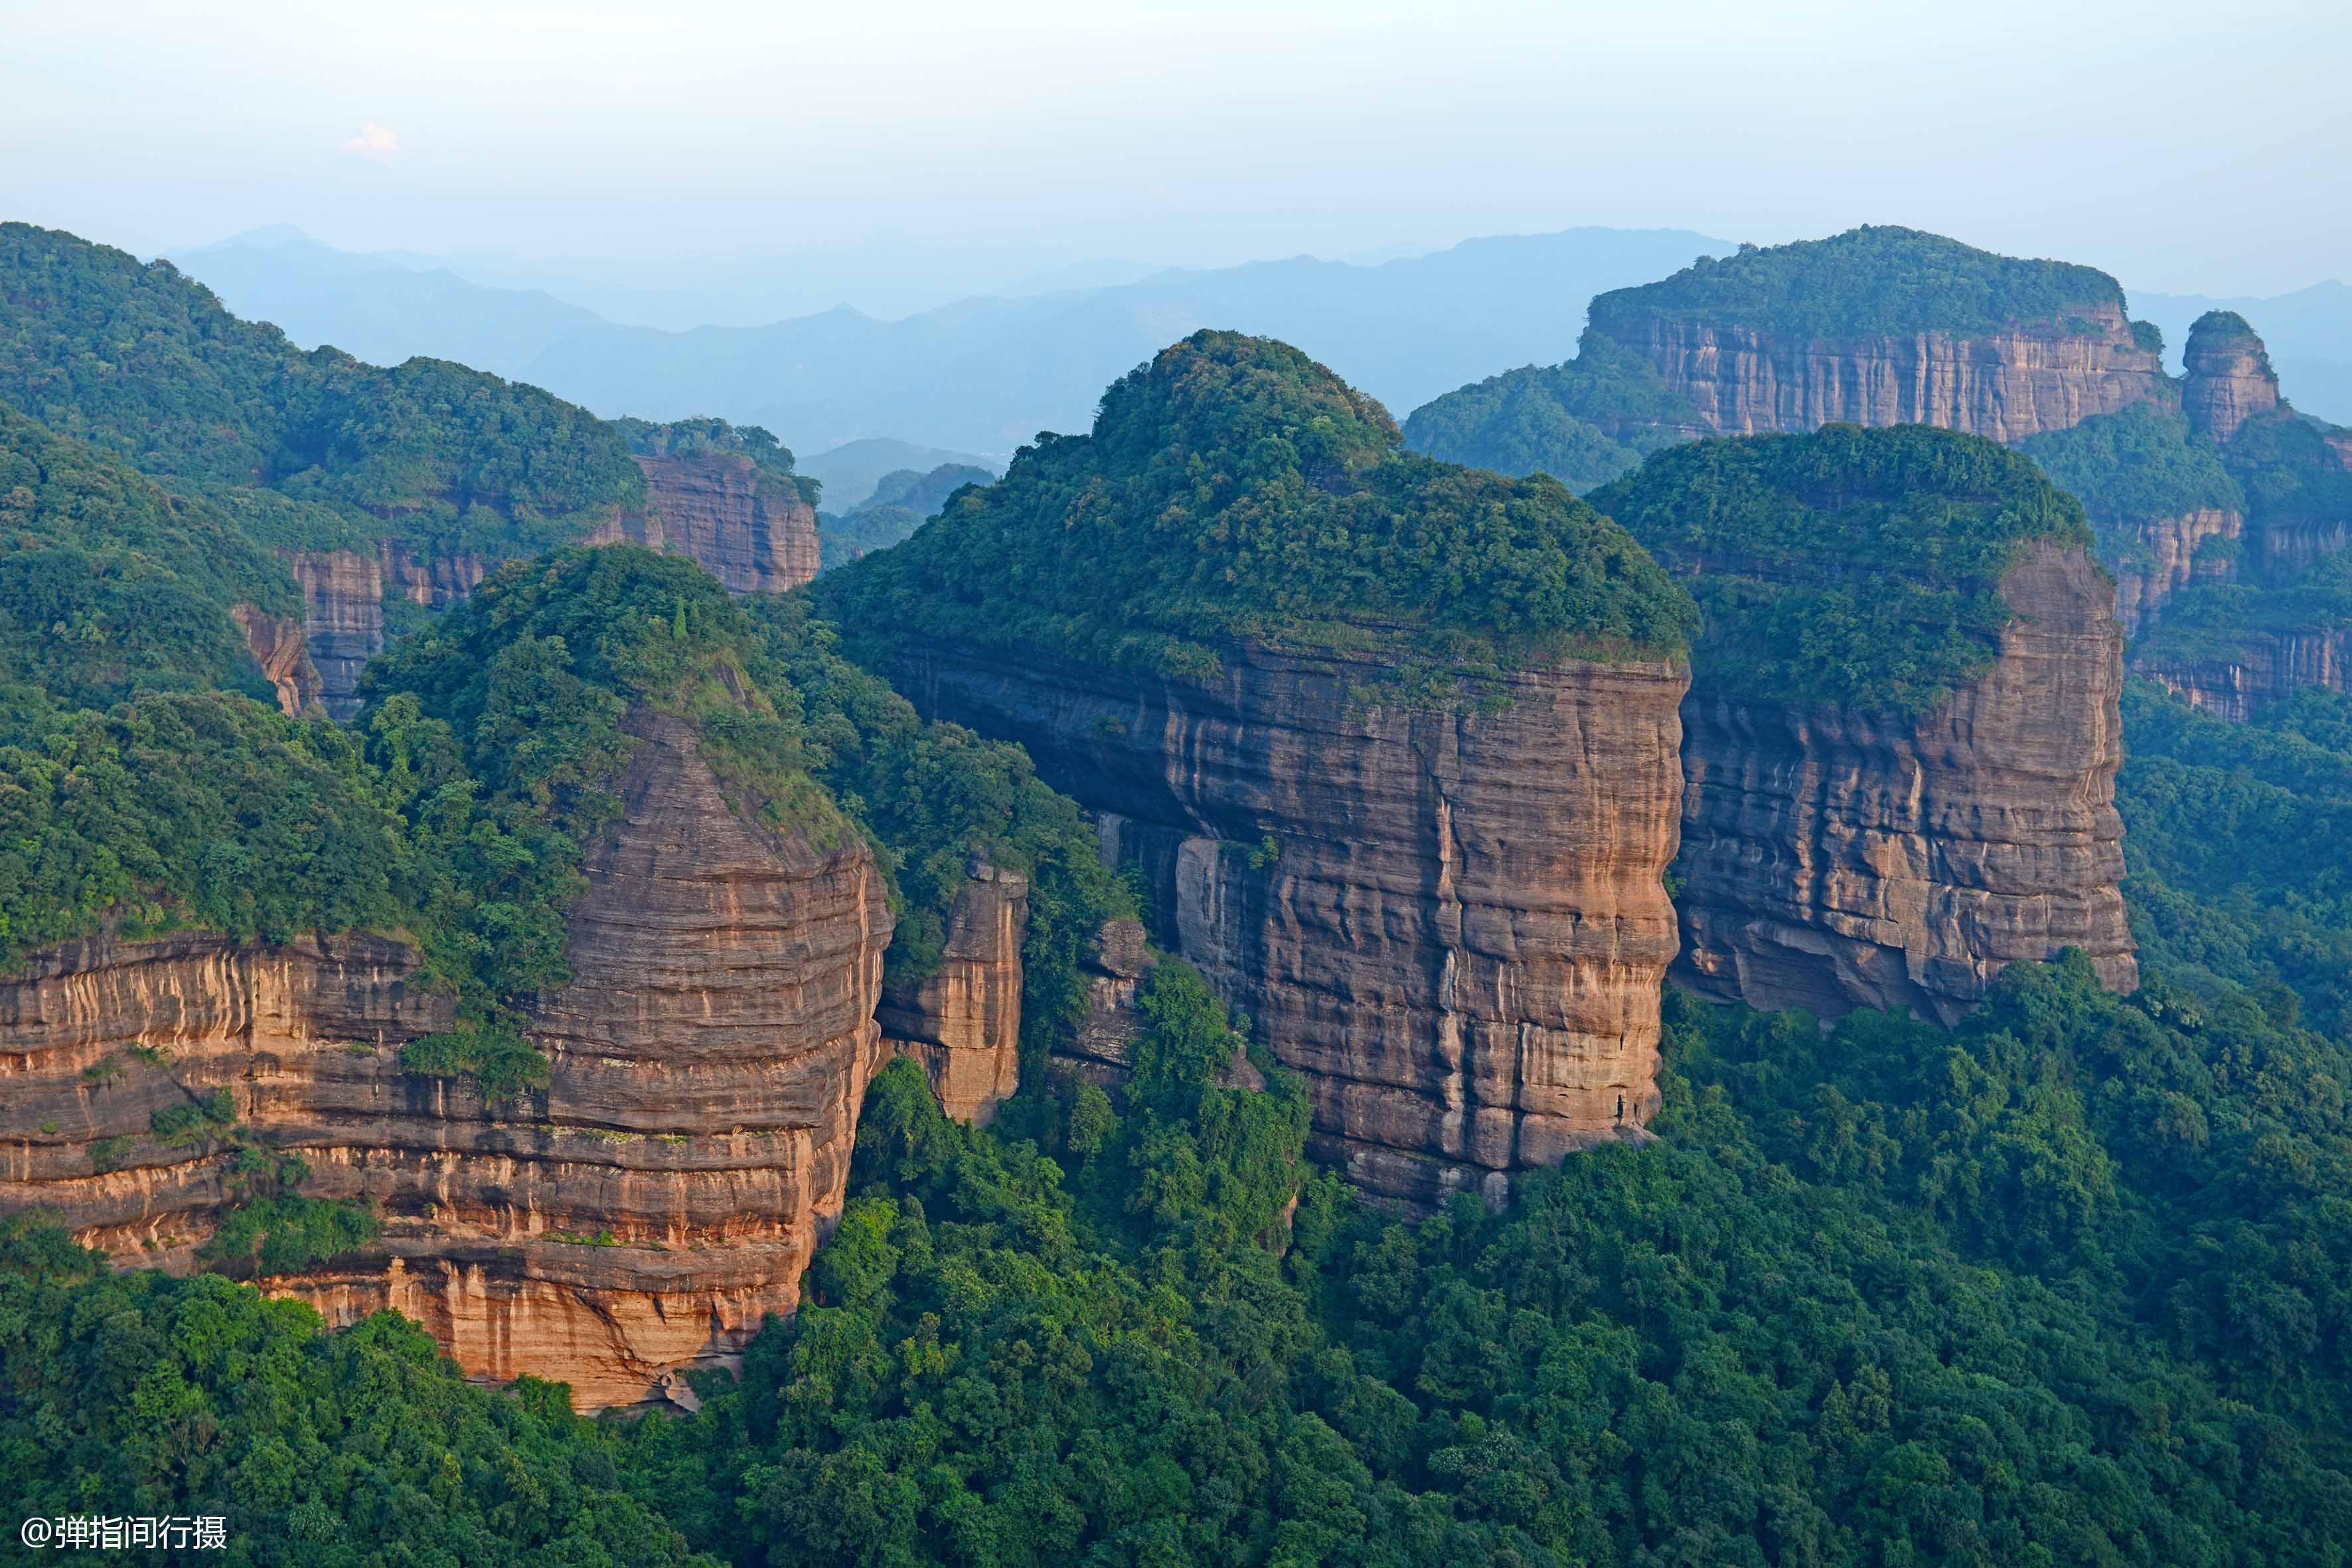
column 622, row 1187
column 1902, row 736
column 2229, row 376
column 1393, row 742
column 1883, row 326
column 725, row 496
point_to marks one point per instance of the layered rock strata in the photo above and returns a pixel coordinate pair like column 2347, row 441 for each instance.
column 2265, row 668
column 2167, row 559
column 1453, row 923
column 1835, row 860
column 2005, row 386
column 635, row 1218
column 745, row 526
column 962, row 1021
column 2228, row 379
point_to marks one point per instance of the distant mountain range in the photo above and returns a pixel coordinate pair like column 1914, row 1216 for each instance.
column 982, row 376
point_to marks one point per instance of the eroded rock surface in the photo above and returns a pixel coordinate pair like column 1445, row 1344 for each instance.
column 2005, row 386
column 1453, row 923
column 637, row 1215
column 963, row 1022
column 1835, row 860
column 2229, row 376
column 746, row 527
column 2167, row 559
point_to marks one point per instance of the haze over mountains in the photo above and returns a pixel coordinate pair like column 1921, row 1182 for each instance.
column 981, row 375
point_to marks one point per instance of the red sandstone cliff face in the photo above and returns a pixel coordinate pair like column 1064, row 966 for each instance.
column 750, row 530
column 1454, row 924
column 277, row 647
column 2229, row 378
column 1841, row 860
column 963, row 1021
column 2167, row 562
column 2007, row 386
column 2265, row 668
column 707, row 1063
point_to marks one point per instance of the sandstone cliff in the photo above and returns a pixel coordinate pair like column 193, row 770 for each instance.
column 2005, row 385
column 277, row 646
column 1835, row 859
column 2165, row 558
column 636, row 1216
column 2262, row 667
column 742, row 525
column 1453, row 923
column 963, row 1022
column 2229, row 376
column 746, row 527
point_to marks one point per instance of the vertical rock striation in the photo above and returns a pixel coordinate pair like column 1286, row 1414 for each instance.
column 2229, row 376
column 2168, row 555
column 636, row 1216
column 1835, row 859
column 962, row 1021
column 1453, row 923
column 746, row 527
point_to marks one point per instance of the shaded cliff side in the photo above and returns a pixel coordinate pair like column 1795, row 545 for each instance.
column 1902, row 736
column 1393, row 743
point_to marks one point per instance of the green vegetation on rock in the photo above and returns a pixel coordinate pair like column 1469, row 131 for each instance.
column 2137, row 465
column 1848, row 566
column 110, row 584
column 143, row 362
column 1872, row 281
column 1234, row 491
column 1584, row 423
column 691, row 437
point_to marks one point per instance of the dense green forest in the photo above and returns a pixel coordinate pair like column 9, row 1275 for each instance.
column 902, row 501
column 2136, row 464
column 1584, row 423
column 2071, row 1283
column 1233, row 488
column 1876, row 280
column 142, row 361
column 1851, row 566
column 689, row 437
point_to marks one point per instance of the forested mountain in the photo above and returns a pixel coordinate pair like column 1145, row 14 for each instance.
column 550, row 1004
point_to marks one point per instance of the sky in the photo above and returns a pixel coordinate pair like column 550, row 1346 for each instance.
column 2184, row 147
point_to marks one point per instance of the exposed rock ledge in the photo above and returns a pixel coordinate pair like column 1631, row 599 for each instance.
column 1836, row 859
column 1454, row 924
column 707, row 1064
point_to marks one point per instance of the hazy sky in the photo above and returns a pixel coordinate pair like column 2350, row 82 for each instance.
column 2181, row 146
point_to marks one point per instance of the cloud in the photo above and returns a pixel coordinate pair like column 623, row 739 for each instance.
column 377, row 142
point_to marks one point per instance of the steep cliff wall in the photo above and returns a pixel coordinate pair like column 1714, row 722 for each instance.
column 2229, row 376
column 2164, row 559
column 636, row 1216
column 1835, row 859
column 2005, row 386
column 1451, row 922
column 278, row 647
column 2265, row 666
column 963, row 1022
column 747, row 528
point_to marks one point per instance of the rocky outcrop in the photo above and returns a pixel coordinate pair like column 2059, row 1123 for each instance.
column 2265, row 667
column 2168, row 554
column 1835, row 860
column 2005, row 386
column 747, row 527
column 962, row 1021
column 1102, row 1048
column 1451, row 922
column 2229, row 376
column 277, row 647
column 636, row 1216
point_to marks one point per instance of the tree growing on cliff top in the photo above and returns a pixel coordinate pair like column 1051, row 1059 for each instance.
column 1233, row 490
